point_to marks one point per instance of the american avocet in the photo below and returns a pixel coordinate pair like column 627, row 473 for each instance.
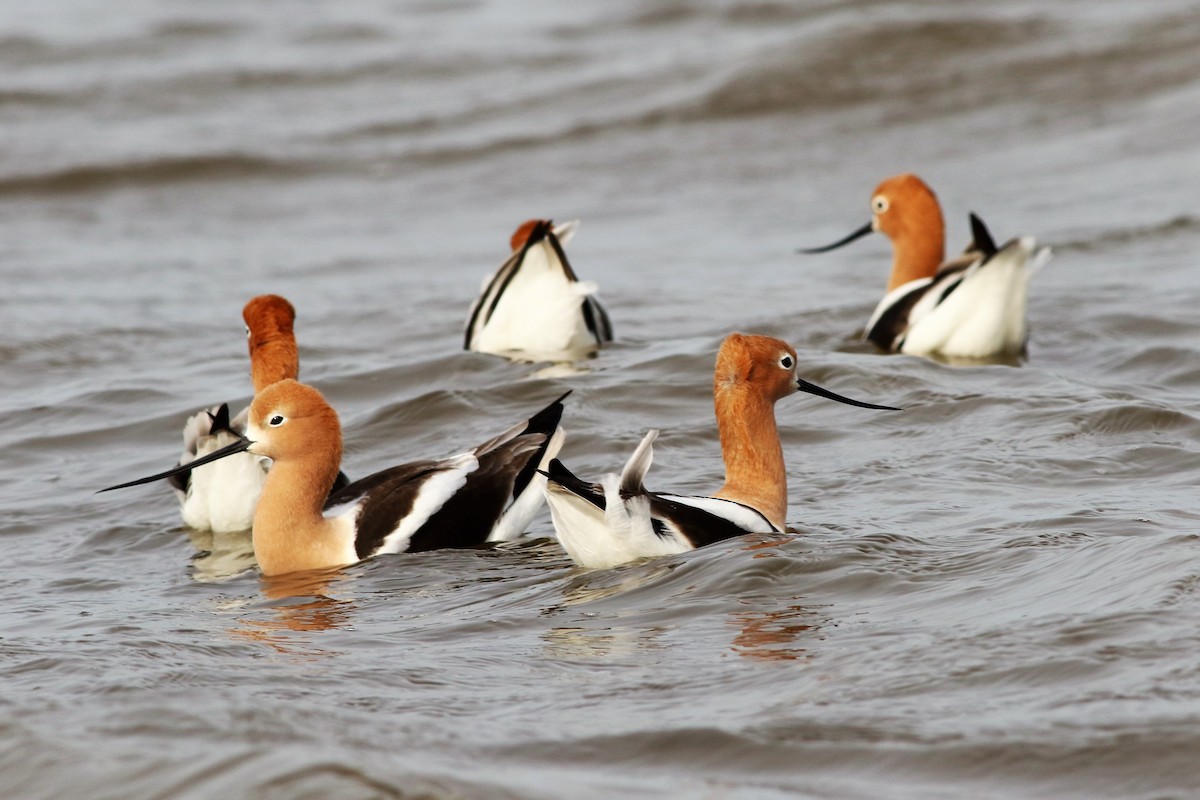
column 487, row 494
column 222, row 497
column 618, row 520
column 972, row 306
column 534, row 306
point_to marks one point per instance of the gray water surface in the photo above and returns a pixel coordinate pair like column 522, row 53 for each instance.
column 993, row 594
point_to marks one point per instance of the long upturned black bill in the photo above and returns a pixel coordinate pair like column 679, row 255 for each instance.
column 858, row 234
column 812, row 388
column 239, row 446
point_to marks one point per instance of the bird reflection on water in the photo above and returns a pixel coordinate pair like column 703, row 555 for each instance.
column 296, row 603
column 771, row 634
column 220, row 556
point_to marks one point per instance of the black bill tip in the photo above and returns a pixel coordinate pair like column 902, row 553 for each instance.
column 239, row 446
column 858, row 234
column 812, row 388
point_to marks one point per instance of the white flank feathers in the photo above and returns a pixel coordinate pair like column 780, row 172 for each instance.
column 622, row 531
column 619, row 534
column 433, row 494
column 985, row 315
column 221, row 496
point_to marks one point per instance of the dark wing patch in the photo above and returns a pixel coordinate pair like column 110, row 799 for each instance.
column 467, row 518
column 544, row 422
column 596, row 319
column 505, row 470
column 181, row 480
column 982, row 240
column 339, row 483
column 220, row 421
column 388, row 496
column 888, row 330
column 699, row 526
column 568, row 480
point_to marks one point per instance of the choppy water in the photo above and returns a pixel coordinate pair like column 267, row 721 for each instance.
column 995, row 593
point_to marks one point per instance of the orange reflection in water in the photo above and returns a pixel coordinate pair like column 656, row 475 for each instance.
column 772, row 634
column 297, row 603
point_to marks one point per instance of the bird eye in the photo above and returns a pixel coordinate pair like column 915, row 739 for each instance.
column 879, row 204
column 247, row 331
column 787, row 362
column 275, row 421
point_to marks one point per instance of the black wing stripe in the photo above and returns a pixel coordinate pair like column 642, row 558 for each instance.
column 558, row 473
column 983, row 241
column 699, row 526
column 562, row 256
column 544, row 422
column 387, row 497
column 892, row 323
column 490, row 296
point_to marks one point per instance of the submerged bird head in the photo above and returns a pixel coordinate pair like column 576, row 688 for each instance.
column 521, row 234
column 537, row 230
column 272, row 342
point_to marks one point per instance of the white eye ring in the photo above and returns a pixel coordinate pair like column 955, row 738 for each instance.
column 879, row 204
column 787, row 362
column 276, row 420
column 247, row 331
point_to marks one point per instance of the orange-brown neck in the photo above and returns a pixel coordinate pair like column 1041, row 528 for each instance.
column 754, row 470
column 273, row 357
column 290, row 534
column 917, row 255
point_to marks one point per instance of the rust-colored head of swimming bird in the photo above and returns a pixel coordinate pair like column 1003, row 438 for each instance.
column 272, row 342
column 751, row 373
column 521, row 235
column 762, row 364
column 907, row 210
column 290, row 420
